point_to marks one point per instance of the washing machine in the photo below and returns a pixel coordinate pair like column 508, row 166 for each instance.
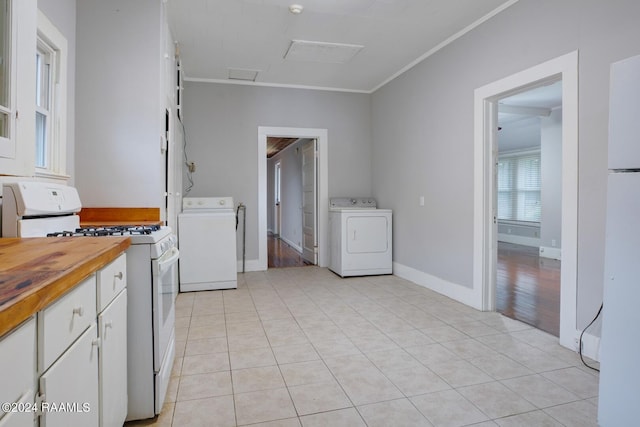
column 360, row 238
column 207, row 243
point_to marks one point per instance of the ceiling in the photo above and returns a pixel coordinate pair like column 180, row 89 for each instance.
column 276, row 145
column 519, row 116
column 219, row 37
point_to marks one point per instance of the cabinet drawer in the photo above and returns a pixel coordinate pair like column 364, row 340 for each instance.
column 111, row 280
column 63, row 321
column 18, row 361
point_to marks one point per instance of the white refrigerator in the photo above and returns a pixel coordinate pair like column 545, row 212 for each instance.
column 619, row 397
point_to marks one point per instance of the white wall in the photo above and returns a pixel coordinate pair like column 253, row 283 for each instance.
column 551, row 171
column 119, row 107
column 428, row 114
column 222, row 133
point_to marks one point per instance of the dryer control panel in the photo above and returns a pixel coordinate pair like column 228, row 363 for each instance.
column 353, row 203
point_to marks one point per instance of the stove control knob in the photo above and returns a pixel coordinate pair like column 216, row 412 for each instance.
column 222, row 202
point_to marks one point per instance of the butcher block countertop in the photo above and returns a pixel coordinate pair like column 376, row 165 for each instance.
column 34, row 272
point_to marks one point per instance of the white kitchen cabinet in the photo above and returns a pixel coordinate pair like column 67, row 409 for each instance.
column 18, row 359
column 61, row 323
column 71, row 383
column 112, row 324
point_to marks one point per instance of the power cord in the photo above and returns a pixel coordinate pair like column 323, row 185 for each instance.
column 580, row 341
column 186, row 158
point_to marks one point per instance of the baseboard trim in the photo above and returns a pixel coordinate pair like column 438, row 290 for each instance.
column 553, row 253
column 250, row 265
column 590, row 345
column 290, row 243
column 519, row 240
column 452, row 290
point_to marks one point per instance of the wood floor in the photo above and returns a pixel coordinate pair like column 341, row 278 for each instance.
column 281, row 254
column 528, row 287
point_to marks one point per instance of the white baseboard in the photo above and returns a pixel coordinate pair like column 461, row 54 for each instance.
column 590, row 345
column 452, row 290
column 290, row 243
column 553, row 253
column 519, row 240
column 250, row 265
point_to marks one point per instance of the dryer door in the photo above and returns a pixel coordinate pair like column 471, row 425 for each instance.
column 367, row 234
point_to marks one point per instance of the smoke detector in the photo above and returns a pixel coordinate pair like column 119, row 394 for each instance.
column 296, row 9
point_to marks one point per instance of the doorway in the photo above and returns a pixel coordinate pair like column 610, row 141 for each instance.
column 528, row 206
column 564, row 68
column 322, row 198
column 292, row 238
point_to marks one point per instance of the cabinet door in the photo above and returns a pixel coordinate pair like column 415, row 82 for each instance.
column 20, row 419
column 113, row 362
column 70, row 386
column 18, row 357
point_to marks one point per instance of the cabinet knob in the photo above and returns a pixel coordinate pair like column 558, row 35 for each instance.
column 96, row 343
column 79, row 311
column 118, row 275
column 108, row 325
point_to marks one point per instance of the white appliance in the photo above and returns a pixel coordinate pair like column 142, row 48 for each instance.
column 207, row 231
column 619, row 396
column 360, row 237
column 35, row 209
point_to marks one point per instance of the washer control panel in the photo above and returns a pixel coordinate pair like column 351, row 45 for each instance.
column 192, row 203
column 353, row 203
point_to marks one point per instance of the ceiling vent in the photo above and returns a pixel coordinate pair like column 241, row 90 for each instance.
column 330, row 53
column 243, row 74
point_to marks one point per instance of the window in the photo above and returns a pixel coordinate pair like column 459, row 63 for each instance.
column 277, row 183
column 50, row 80
column 519, row 185
column 45, row 55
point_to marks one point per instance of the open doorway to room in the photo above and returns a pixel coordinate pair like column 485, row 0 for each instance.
column 529, row 206
column 312, row 206
column 289, row 218
column 486, row 227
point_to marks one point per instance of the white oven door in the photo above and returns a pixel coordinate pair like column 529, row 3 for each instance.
column 165, row 290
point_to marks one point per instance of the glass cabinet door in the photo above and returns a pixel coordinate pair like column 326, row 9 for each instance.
column 5, row 67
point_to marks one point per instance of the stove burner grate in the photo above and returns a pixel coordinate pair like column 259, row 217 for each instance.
column 117, row 230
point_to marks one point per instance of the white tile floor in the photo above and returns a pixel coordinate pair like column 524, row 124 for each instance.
column 301, row 346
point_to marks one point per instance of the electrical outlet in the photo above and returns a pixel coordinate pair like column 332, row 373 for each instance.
column 191, row 166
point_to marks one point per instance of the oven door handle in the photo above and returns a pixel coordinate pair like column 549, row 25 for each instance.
column 168, row 259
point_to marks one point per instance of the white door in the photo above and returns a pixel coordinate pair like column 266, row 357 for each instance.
column 309, row 209
column 277, row 217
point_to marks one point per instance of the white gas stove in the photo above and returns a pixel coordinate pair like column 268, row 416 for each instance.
column 36, row 209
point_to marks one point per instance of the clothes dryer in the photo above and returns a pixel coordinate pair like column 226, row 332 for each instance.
column 361, row 237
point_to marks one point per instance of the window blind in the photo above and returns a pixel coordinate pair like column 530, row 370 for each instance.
column 519, row 183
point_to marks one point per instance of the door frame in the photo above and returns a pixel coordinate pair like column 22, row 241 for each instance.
column 563, row 68
column 322, row 187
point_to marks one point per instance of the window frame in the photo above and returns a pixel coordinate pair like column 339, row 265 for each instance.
column 49, row 37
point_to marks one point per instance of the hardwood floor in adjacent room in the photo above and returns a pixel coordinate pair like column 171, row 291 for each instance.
column 528, row 287
column 280, row 254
